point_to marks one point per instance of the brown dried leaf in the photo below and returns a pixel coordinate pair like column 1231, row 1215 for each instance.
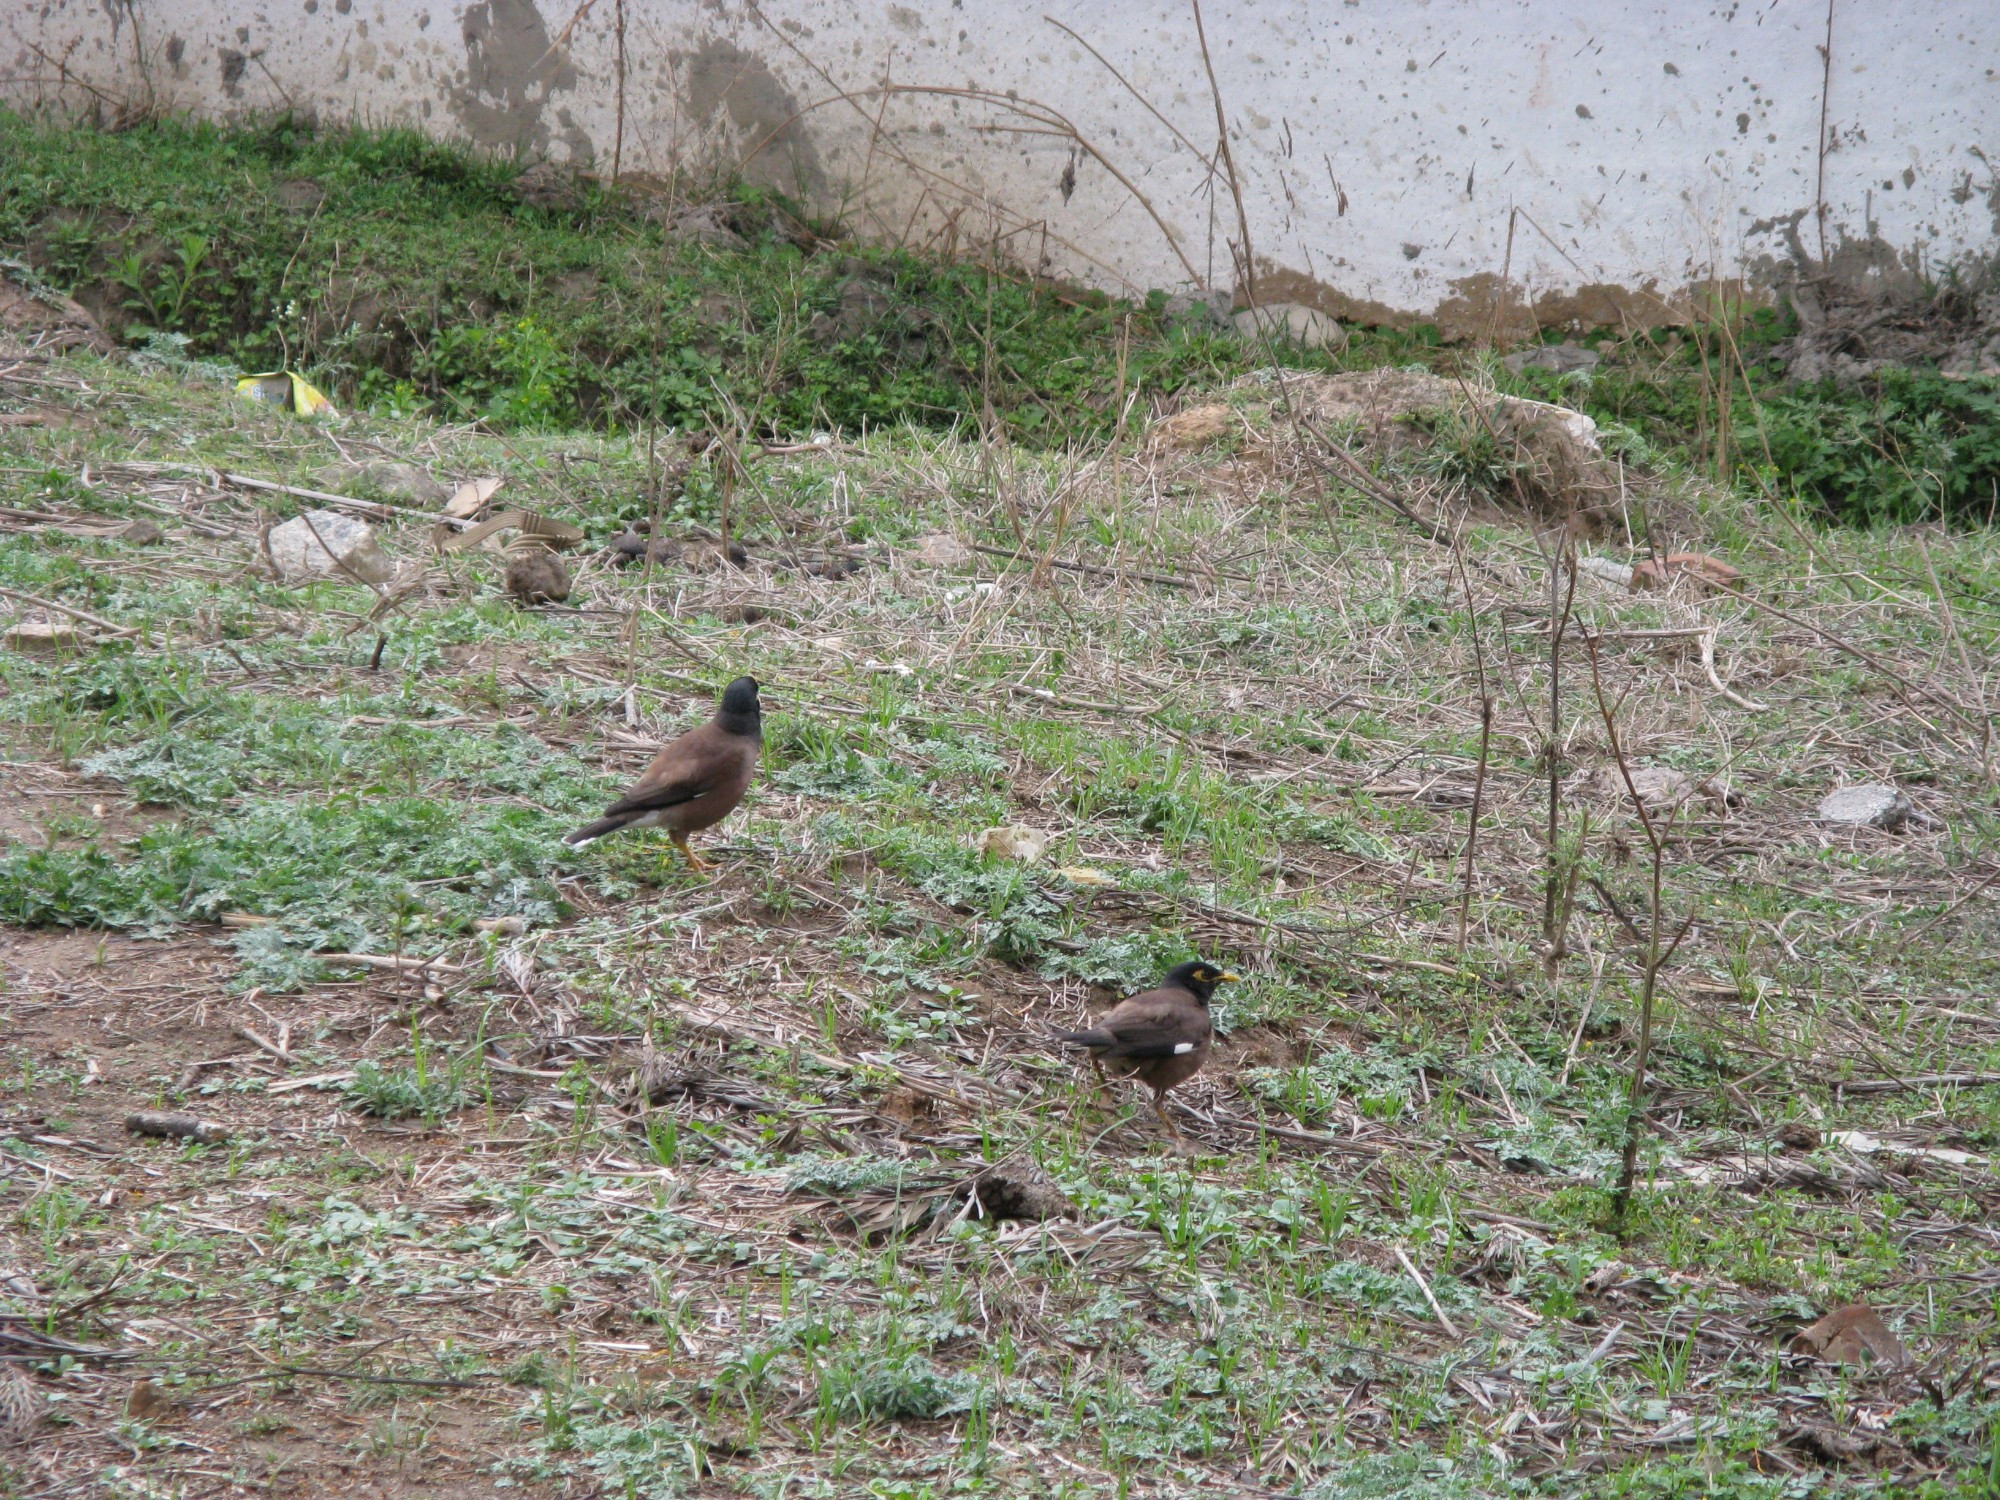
column 1830, row 1444
column 1706, row 571
column 1853, row 1335
column 469, row 498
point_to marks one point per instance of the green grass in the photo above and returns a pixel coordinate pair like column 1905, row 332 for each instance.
column 454, row 1177
column 404, row 274
column 410, row 277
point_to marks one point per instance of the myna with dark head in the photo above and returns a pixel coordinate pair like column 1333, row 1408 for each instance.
column 695, row 782
column 1161, row 1037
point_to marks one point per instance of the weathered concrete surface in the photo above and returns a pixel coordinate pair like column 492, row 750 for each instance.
column 1572, row 160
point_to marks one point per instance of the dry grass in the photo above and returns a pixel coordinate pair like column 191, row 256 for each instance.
column 687, row 1214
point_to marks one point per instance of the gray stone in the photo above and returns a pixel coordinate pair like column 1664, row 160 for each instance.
column 392, row 481
column 1307, row 327
column 1561, row 358
column 705, row 224
column 1870, row 805
column 45, row 635
column 324, row 543
column 1202, row 309
column 1617, row 574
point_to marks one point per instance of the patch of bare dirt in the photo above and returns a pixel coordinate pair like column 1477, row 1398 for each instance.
column 48, row 321
column 44, row 807
column 1850, row 330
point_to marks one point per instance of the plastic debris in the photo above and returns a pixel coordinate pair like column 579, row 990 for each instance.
column 283, row 388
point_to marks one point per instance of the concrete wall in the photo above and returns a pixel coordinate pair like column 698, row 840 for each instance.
column 1586, row 159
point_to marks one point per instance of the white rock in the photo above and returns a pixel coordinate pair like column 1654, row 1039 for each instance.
column 45, row 636
column 942, row 550
column 1580, row 428
column 398, row 481
column 1870, row 805
column 1017, row 843
column 1617, row 574
column 324, row 542
column 1306, row 326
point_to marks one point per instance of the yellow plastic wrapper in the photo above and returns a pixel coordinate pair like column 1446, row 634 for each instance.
column 283, row 388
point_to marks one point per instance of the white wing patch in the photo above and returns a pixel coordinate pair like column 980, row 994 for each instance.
column 1180, row 1047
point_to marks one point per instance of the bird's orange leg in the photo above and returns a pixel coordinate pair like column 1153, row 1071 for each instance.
column 1160, row 1109
column 695, row 861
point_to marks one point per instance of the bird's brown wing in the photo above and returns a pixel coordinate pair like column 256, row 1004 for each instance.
column 688, row 768
column 1159, row 1023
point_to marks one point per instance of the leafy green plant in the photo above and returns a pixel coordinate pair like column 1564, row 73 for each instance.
column 402, row 1093
column 1909, row 446
column 865, row 1384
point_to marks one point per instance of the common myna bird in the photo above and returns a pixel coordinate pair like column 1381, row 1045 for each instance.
column 1161, row 1037
column 697, row 780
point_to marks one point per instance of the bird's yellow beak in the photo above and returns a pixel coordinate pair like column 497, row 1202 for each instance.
column 1228, row 976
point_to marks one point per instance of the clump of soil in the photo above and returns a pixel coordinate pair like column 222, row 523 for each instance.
column 1849, row 332
column 47, row 320
column 1500, row 453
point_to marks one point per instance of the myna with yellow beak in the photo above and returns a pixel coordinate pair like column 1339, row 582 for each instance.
column 1161, row 1037
column 697, row 780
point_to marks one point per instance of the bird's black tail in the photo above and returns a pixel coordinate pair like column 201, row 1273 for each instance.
column 1089, row 1041
column 596, row 830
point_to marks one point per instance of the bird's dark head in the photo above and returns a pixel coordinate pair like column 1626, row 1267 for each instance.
column 741, row 713
column 1199, row 978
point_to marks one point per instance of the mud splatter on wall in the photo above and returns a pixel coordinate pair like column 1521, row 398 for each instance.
column 1587, row 160
column 504, row 97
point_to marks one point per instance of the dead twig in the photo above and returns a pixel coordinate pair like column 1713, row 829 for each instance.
column 76, row 614
column 1429, row 1296
column 1708, row 666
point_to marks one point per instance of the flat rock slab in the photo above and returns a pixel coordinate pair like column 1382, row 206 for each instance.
column 1561, row 358
column 1305, row 326
column 324, row 543
column 1870, row 805
column 404, row 482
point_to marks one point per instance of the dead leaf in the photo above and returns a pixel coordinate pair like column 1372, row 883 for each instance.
column 1853, row 1335
column 1019, row 843
column 470, row 498
column 1196, row 427
column 146, row 1402
column 1084, row 875
column 1710, row 572
column 554, row 533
